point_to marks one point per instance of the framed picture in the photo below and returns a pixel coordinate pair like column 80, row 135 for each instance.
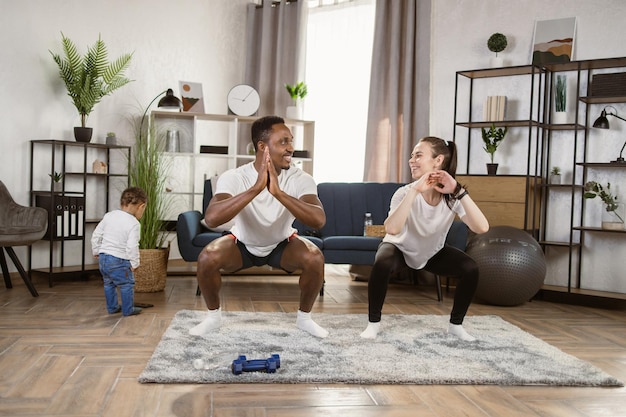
column 553, row 41
column 192, row 97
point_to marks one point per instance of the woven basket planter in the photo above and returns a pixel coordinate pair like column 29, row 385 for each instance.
column 152, row 272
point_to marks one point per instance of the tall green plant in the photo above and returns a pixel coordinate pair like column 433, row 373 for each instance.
column 560, row 93
column 91, row 77
column 149, row 170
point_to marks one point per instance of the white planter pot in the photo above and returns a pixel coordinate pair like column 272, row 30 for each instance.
column 555, row 179
column 294, row 112
column 559, row 118
column 496, row 62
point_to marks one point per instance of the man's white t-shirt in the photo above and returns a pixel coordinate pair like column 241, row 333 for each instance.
column 117, row 234
column 426, row 228
column 265, row 222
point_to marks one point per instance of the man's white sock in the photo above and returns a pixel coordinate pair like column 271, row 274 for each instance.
column 212, row 321
column 371, row 331
column 306, row 323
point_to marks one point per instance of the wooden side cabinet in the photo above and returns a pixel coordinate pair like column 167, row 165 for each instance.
column 506, row 200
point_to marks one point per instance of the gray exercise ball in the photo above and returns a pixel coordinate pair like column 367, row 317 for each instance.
column 511, row 265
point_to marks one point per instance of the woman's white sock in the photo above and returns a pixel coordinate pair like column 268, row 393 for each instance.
column 458, row 331
column 371, row 331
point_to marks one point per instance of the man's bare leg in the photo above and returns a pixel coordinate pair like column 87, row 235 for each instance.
column 221, row 253
column 304, row 255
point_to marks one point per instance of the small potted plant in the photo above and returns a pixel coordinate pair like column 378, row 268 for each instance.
column 56, row 178
column 492, row 138
column 497, row 43
column 613, row 214
column 111, row 139
column 297, row 92
column 555, row 175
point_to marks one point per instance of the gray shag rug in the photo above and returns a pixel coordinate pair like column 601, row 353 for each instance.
column 410, row 349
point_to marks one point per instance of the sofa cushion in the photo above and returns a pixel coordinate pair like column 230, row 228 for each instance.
column 318, row 242
column 203, row 239
column 351, row 242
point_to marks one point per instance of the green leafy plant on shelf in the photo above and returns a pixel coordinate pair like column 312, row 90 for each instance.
column 56, row 177
column 594, row 189
column 555, row 171
column 297, row 91
column 560, row 93
column 90, row 77
column 497, row 43
column 492, row 138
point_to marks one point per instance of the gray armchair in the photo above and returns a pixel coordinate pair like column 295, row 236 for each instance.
column 19, row 226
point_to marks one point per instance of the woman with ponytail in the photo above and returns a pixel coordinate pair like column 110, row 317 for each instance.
column 420, row 216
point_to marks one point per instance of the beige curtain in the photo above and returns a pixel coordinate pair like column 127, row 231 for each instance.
column 399, row 90
column 276, row 47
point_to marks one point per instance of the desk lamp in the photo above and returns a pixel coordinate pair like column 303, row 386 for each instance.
column 603, row 123
column 169, row 102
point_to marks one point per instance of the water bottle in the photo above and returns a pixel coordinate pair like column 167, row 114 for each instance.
column 367, row 222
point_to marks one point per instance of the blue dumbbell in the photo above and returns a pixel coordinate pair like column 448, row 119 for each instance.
column 269, row 365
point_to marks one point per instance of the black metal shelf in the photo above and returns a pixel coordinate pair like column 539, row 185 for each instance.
column 67, row 208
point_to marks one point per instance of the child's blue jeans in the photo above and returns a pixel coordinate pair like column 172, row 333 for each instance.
column 116, row 273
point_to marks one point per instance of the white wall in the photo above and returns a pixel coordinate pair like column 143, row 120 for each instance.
column 188, row 40
column 460, row 33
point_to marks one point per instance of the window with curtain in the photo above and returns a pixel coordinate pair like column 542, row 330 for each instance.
column 338, row 63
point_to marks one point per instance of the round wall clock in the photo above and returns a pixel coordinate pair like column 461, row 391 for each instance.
column 243, row 100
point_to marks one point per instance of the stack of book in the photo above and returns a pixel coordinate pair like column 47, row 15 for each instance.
column 494, row 108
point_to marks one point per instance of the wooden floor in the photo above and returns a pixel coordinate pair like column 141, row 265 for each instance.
column 61, row 354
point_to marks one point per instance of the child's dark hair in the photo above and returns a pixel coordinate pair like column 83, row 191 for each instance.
column 448, row 150
column 261, row 128
column 133, row 195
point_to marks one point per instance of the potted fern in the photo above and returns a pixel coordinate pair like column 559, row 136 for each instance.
column 89, row 78
column 492, row 138
column 297, row 92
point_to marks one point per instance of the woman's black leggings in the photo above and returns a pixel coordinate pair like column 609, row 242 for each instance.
column 449, row 261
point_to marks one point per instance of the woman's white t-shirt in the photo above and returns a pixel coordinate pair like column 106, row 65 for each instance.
column 265, row 222
column 426, row 228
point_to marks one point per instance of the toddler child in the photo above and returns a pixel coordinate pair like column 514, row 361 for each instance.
column 115, row 243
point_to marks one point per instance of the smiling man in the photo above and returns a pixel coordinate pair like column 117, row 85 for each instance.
column 263, row 198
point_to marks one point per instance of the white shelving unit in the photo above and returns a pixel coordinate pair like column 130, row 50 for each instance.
column 203, row 138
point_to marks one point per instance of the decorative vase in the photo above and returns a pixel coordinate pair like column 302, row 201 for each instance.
column 83, row 134
column 613, row 220
column 492, row 169
column 172, row 143
column 111, row 140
